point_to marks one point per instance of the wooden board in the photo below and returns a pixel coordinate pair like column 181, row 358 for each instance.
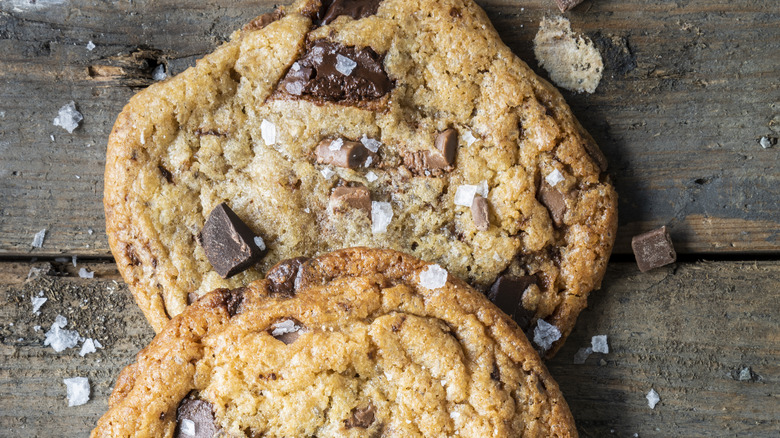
column 690, row 86
column 686, row 331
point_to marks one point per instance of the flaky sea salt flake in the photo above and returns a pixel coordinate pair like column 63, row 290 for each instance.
column 68, row 117
column 336, row 144
column 327, row 172
column 483, row 189
column 78, row 390
column 599, row 344
column 381, row 215
column 652, row 398
column 469, row 138
column 91, row 46
column 38, row 239
column 545, row 334
column 464, row 196
column 433, row 277
column 83, row 273
column 89, row 346
column 370, row 143
column 159, row 74
column 60, row 321
column 268, row 131
column 345, row 65
column 259, row 243
column 284, row 327
column 371, row 176
column 554, row 177
column 187, row 427
column 37, row 302
column 60, row 339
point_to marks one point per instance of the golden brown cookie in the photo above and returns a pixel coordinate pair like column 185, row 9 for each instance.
column 363, row 343
column 391, row 124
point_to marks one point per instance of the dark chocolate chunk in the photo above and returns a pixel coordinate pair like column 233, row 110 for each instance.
column 653, row 249
column 353, row 197
column 283, row 275
column 234, row 299
column 565, row 5
column 555, row 202
column 507, row 294
column 287, row 331
column 351, row 154
column 361, row 417
column 264, row 20
column 479, row 212
column 316, row 74
column 447, row 144
column 228, row 242
column 195, row 419
column 356, row 9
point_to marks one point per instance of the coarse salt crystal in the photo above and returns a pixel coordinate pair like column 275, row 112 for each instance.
column 295, row 66
column 371, row 176
column 60, row 321
column 381, row 215
column 464, row 196
column 745, row 374
column 158, row 74
column 60, row 339
column 433, row 277
column 582, row 355
column 284, row 327
column 259, row 243
column 345, row 65
column 469, row 138
column 307, row 210
column 90, row 231
column 90, row 46
column 652, row 398
column 187, row 427
column 327, row 172
column 554, row 177
column 73, row 260
column 599, row 344
column 454, row 415
column 765, row 142
column 51, row 137
column 38, row 238
column 295, row 88
column 68, row 117
column 37, row 328
column 89, row 346
column 336, row 144
column 37, row 302
column 545, row 334
column 497, row 257
column 268, row 131
column 483, row 189
column 83, row 273
column 371, row 144
column 369, row 160
column 78, row 390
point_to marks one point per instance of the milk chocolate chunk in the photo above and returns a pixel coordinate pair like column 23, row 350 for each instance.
column 507, row 294
column 284, row 274
column 653, row 249
column 228, row 242
column 479, row 212
column 353, row 197
column 345, row 153
column 361, row 417
column 264, row 20
column 336, row 73
column 447, row 144
column 555, row 202
column 195, row 419
column 356, row 9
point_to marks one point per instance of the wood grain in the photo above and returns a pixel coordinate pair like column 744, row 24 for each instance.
column 685, row 331
column 689, row 87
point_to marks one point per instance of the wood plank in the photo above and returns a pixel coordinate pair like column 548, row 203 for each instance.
column 680, row 129
column 685, row 331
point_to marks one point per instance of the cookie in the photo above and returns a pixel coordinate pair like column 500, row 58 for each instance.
column 389, row 124
column 364, row 342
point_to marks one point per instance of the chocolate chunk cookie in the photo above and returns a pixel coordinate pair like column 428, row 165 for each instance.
column 369, row 343
column 391, row 124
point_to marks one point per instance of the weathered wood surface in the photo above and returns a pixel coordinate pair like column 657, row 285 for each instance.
column 685, row 331
column 678, row 113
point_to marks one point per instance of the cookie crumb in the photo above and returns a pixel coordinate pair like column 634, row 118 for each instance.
column 38, row 239
column 545, row 334
column 571, row 60
column 433, row 277
column 68, row 117
column 652, row 398
column 599, row 344
column 381, row 215
column 78, row 390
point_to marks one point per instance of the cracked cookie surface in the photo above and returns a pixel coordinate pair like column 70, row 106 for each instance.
column 359, row 346
column 450, row 149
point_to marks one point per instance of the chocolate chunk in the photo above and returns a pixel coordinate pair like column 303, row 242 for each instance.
column 565, row 5
column 284, row 274
column 507, row 294
column 351, row 154
column 287, row 331
column 595, row 153
column 264, row 20
column 195, row 419
column 333, row 72
column 234, row 299
column 653, row 249
column 555, row 202
column 353, row 197
column 356, row 9
column 361, row 417
column 479, row 212
column 228, row 242
column 166, row 173
column 447, row 144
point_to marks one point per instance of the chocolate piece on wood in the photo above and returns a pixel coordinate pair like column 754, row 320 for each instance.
column 653, row 249
column 228, row 242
